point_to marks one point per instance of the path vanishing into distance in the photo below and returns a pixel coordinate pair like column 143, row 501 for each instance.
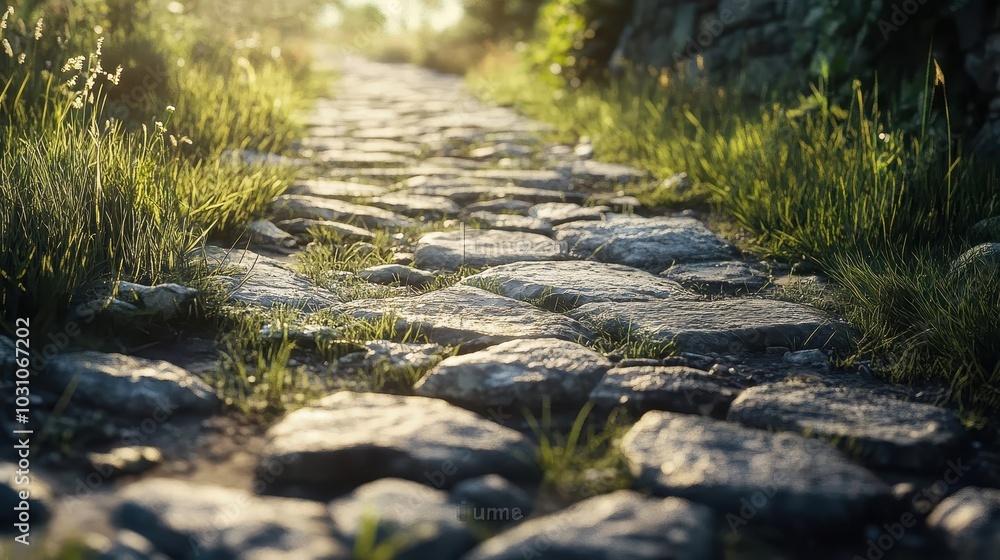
column 557, row 290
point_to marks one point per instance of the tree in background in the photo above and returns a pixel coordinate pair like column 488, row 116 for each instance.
column 501, row 19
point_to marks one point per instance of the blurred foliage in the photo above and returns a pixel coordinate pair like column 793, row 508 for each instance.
column 497, row 20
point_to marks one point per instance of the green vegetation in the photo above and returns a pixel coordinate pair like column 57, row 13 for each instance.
column 882, row 210
column 115, row 117
column 583, row 462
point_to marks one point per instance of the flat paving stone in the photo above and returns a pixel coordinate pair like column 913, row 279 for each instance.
column 601, row 174
column 385, row 146
column 415, row 206
column 358, row 158
column 566, row 285
column 563, row 212
column 325, row 188
column 879, row 431
column 264, row 282
column 672, row 388
column 185, row 521
column 348, row 439
column 541, row 179
column 458, row 163
column 395, row 273
column 968, row 522
column 478, row 248
column 719, row 277
column 620, row 525
column 501, row 150
column 511, row 222
column 291, row 206
column 752, row 476
column 467, row 194
column 652, row 244
column 469, row 316
column 731, row 326
column 519, row 373
column 347, row 232
column 130, row 387
column 263, row 232
column 420, row 517
column 506, row 206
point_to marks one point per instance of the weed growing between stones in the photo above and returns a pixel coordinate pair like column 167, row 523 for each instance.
column 839, row 189
column 583, row 462
column 630, row 343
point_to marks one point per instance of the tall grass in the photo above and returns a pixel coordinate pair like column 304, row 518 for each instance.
column 99, row 184
column 881, row 209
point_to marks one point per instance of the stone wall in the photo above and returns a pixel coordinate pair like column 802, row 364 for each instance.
column 769, row 45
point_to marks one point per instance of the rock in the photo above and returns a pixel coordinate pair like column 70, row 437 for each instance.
column 562, row 212
column 511, row 222
column 969, row 523
column 358, row 158
column 252, row 158
column 469, row 316
column 676, row 389
column 348, row 439
column 415, row 206
column 293, row 206
column 617, row 202
column 985, row 256
column 394, row 273
column 163, row 301
column 264, row 282
column 529, row 178
column 458, row 163
column 564, row 285
column 448, row 250
column 600, row 174
column 517, row 374
column 302, row 335
column 346, row 232
column 125, row 460
column 492, row 499
column 719, row 277
column 500, row 150
column 39, row 500
column 500, row 206
column 790, row 481
column 623, row 524
column 722, row 326
column 421, row 518
column 879, row 431
column 263, row 232
column 985, row 231
column 465, row 194
column 326, row 188
column 132, row 388
column 397, row 355
column 677, row 184
column 813, row 359
column 187, row 521
column 402, row 258
column 125, row 545
column 652, row 244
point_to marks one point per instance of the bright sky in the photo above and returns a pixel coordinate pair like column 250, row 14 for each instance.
column 412, row 13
